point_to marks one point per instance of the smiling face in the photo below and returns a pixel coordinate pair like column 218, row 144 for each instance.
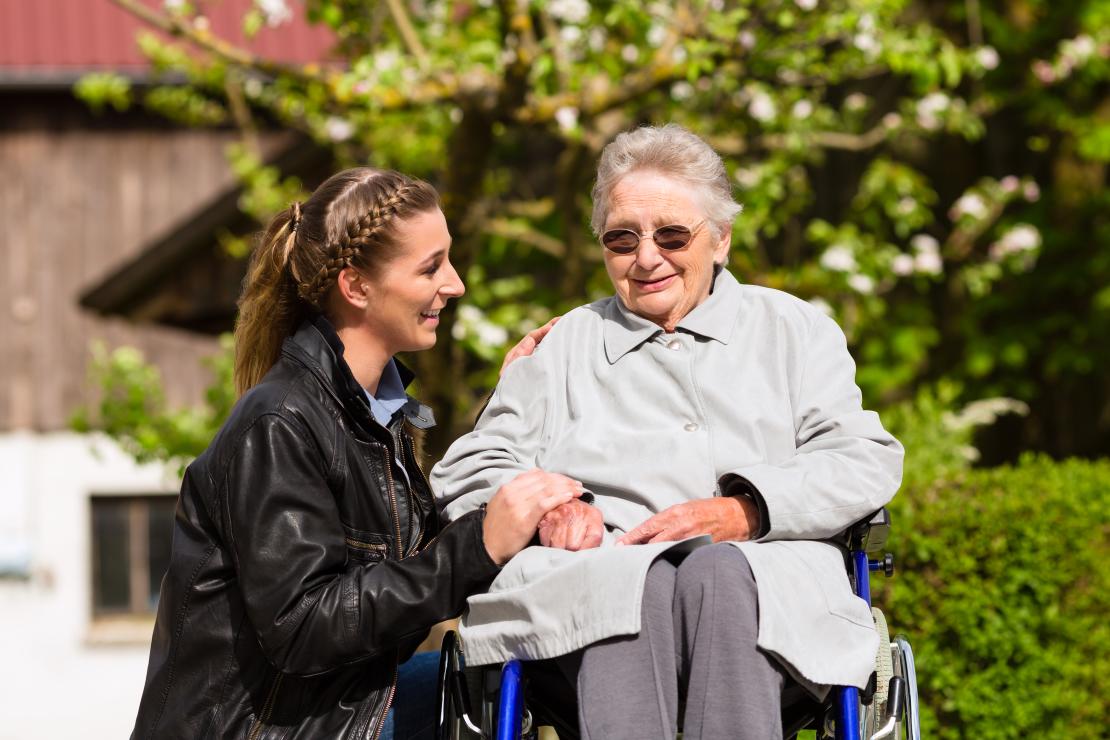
column 661, row 285
column 405, row 296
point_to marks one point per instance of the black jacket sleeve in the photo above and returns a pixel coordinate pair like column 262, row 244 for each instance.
column 312, row 610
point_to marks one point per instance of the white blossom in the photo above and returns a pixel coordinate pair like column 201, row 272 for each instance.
column 838, row 258
column 1078, row 50
column 892, row 120
column 1009, row 184
column 569, row 11
column 338, row 129
column 567, row 118
column 821, row 305
column 987, row 56
column 971, row 205
column 866, row 22
column 747, row 39
column 570, row 34
column 597, row 39
column 902, row 265
column 1031, row 192
column 276, row 12
column 1021, row 238
column 925, row 244
column 748, row 177
column 926, row 259
column 802, row 109
column 656, row 34
column 386, row 59
column 861, row 284
column 630, row 53
column 906, row 205
column 455, row 114
column 682, row 90
column 928, row 264
column 856, row 101
column 930, row 108
column 806, row 5
column 867, row 43
column 762, row 107
column 173, row 5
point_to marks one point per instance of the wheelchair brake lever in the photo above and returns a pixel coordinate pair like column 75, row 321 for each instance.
column 895, row 708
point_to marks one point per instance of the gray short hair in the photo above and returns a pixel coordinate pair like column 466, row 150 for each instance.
column 674, row 152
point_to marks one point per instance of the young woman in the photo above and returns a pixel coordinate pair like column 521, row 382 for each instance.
column 308, row 560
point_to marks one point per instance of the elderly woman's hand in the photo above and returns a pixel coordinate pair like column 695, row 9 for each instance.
column 514, row 512
column 574, row 526
column 725, row 519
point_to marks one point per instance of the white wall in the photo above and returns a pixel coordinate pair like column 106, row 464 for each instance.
column 62, row 674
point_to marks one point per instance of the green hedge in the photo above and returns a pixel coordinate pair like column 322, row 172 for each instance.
column 1004, row 590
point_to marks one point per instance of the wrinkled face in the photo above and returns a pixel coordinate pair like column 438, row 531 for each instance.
column 661, row 285
column 407, row 294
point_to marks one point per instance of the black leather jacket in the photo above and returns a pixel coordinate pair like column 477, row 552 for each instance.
column 304, row 566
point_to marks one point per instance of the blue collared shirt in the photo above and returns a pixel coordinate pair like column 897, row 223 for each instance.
column 389, row 399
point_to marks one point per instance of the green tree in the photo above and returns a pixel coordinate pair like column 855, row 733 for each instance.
column 821, row 110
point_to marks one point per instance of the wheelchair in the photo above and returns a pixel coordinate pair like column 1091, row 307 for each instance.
column 516, row 699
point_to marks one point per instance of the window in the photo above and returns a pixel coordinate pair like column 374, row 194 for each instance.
column 130, row 552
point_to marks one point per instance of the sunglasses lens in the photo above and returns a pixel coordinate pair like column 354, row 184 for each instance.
column 621, row 241
column 672, row 237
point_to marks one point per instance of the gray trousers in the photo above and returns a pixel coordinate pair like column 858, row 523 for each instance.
column 695, row 649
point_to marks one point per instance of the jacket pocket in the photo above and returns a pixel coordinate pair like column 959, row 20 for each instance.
column 365, row 547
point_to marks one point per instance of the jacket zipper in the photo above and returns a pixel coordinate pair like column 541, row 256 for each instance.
column 393, row 501
column 388, row 703
column 267, row 709
column 406, row 444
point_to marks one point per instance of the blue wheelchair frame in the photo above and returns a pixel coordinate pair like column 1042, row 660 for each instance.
column 869, row 536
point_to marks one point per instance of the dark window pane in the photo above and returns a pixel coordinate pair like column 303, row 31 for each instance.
column 160, row 530
column 111, row 571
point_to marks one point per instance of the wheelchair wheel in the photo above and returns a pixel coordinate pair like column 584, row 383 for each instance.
column 904, row 667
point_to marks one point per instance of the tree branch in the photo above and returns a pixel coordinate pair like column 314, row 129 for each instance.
column 215, row 45
column 408, row 32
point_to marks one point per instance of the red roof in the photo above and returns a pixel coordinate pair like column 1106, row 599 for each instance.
column 40, row 37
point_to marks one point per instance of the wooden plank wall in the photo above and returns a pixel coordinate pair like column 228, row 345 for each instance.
column 76, row 200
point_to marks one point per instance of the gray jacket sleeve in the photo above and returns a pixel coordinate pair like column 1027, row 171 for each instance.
column 504, row 443
column 845, row 464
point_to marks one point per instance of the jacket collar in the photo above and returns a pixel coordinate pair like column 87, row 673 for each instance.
column 714, row 318
column 317, row 344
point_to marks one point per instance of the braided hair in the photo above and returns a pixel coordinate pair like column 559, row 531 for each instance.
column 350, row 221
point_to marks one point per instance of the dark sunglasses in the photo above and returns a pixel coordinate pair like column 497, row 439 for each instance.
column 670, row 238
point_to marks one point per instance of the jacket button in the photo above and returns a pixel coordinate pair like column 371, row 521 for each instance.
column 691, row 427
column 674, row 344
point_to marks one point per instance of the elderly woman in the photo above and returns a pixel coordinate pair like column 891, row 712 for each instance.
column 696, row 410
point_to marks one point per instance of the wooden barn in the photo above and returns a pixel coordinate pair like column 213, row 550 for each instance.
column 120, row 211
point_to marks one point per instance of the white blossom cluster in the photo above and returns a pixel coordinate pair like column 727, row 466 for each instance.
column 1072, row 54
column 275, row 12
column 472, row 322
column 1022, row 239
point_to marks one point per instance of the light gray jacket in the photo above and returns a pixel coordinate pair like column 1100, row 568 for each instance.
column 753, row 382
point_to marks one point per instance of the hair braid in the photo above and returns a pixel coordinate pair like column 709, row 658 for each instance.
column 360, row 233
column 350, row 220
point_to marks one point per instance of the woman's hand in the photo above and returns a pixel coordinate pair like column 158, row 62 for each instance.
column 517, row 508
column 727, row 518
column 573, row 526
column 527, row 345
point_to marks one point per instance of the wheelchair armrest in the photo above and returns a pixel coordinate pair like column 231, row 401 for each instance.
column 870, row 534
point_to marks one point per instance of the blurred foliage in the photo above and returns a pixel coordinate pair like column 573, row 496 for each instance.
column 132, row 408
column 931, row 173
column 1002, row 584
column 1003, row 590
